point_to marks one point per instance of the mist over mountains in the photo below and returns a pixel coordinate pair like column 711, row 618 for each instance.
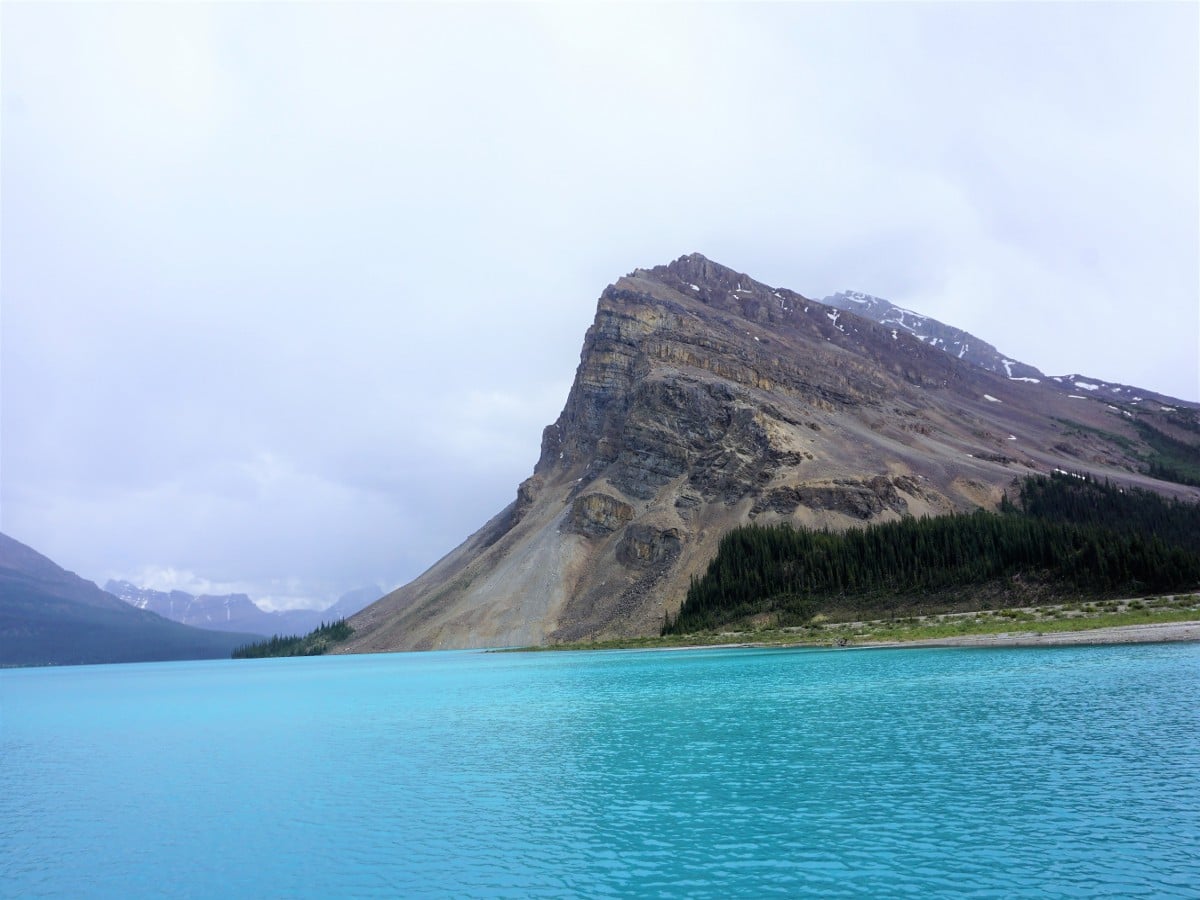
column 237, row 612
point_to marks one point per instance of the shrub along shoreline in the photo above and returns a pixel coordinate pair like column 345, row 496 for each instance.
column 1102, row 621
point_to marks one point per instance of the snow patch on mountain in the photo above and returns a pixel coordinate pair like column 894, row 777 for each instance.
column 954, row 341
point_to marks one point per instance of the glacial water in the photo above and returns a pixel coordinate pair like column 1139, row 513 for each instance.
column 1070, row 772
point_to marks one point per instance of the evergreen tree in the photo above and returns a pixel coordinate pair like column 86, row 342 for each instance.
column 1069, row 533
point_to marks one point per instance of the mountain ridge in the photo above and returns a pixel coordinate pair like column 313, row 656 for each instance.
column 706, row 399
column 237, row 612
column 966, row 346
column 49, row 616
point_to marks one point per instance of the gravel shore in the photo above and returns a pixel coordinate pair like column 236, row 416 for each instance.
column 1122, row 634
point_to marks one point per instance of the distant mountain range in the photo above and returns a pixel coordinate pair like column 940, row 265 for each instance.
column 237, row 612
column 49, row 616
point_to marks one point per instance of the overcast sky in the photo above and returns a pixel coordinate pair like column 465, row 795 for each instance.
column 290, row 290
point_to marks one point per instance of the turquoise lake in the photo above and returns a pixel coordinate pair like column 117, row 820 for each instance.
column 1070, row 772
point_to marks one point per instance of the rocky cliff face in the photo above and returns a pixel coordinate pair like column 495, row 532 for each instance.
column 704, row 400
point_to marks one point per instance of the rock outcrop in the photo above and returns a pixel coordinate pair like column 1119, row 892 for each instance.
column 704, row 400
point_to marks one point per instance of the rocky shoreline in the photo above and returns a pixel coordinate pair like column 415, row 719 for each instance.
column 1153, row 633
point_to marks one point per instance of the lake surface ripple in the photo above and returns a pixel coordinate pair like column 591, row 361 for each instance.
column 1069, row 772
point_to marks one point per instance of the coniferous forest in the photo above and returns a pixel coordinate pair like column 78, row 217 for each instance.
column 1171, row 459
column 1064, row 536
column 315, row 643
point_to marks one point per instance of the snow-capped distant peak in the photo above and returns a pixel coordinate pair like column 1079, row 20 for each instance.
column 954, row 341
column 964, row 346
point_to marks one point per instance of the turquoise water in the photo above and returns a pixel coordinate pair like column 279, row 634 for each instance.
column 1058, row 772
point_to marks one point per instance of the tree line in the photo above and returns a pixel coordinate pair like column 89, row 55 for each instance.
column 315, row 643
column 1083, row 500
column 1073, row 534
column 1171, row 459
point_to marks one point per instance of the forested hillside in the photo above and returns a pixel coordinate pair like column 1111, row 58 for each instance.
column 1064, row 536
column 1078, row 500
column 315, row 643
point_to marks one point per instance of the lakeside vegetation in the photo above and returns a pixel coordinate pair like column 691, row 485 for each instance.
column 315, row 643
column 1066, row 537
column 1052, row 618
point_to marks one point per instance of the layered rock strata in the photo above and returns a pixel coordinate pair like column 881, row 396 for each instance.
column 703, row 400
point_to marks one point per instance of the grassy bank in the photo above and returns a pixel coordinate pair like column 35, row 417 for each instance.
column 1079, row 616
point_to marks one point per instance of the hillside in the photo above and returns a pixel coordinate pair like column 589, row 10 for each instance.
column 1066, row 537
column 49, row 616
column 705, row 400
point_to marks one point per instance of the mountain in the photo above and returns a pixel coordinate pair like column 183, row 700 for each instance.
column 49, row 616
column 705, row 400
column 958, row 343
column 966, row 346
column 237, row 612
column 351, row 602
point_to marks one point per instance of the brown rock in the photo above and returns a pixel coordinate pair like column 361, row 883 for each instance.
column 596, row 515
column 703, row 400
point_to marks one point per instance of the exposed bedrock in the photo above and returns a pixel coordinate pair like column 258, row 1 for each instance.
column 704, row 400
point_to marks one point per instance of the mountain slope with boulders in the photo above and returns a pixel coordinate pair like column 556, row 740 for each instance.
column 705, row 400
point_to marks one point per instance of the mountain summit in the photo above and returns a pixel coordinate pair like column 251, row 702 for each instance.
column 705, row 399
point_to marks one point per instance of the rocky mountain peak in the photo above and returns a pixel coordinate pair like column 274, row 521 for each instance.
column 705, row 399
column 699, row 278
column 698, row 269
column 661, row 315
column 235, row 612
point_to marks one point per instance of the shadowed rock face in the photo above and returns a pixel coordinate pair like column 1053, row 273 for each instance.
column 704, row 400
column 596, row 515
